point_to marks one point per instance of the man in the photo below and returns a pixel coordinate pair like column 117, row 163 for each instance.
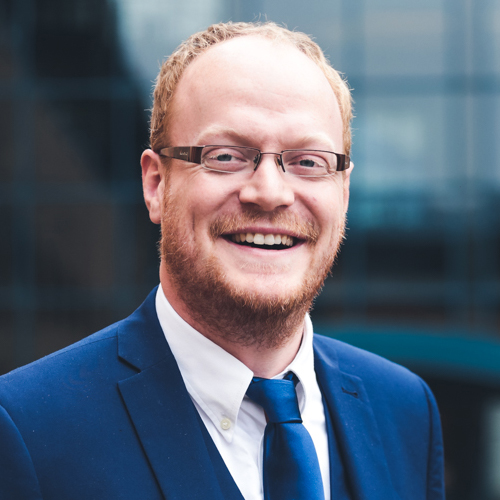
column 248, row 175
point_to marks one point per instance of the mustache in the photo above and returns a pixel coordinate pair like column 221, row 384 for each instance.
column 290, row 223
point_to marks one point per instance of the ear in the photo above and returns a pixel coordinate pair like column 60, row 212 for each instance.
column 153, row 184
column 347, row 180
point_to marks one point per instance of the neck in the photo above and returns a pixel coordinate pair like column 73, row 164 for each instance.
column 265, row 342
column 264, row 362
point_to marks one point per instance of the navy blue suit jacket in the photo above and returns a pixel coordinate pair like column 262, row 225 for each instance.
column 110, row 417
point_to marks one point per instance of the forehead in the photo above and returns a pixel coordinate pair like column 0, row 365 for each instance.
column 252, row 79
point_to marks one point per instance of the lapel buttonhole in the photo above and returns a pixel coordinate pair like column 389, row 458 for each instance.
column 352, row 393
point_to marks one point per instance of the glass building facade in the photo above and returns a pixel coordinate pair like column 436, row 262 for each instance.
column 418, row 279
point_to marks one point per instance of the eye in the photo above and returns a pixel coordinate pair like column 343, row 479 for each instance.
column 225, row 158
column 220, row 154
column 306, row 163
column 307, row 160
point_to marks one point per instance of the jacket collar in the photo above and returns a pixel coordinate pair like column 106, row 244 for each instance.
column 141, row 343
column 163, row 414
column 355, row 426
column 168, row 426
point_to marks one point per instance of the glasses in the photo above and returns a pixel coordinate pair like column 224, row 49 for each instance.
column 233, row 159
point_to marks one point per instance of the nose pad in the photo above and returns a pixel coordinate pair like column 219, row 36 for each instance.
column 267, row 188
column 279, row 162
column 277, row 159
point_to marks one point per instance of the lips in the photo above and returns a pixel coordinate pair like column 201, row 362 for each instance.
column 264, row 240
column 277, row 231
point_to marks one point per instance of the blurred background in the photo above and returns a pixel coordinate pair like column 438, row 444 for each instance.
column 418, row 279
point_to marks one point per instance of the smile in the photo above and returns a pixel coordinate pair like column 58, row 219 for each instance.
column 259, row 240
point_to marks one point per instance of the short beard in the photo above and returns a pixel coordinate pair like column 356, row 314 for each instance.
column 226, row 312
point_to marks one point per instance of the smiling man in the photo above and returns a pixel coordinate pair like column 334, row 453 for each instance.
column 216, row 387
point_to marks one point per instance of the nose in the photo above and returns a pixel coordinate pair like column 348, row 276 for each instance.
column 267, row 187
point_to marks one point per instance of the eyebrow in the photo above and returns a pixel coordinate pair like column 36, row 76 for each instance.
column 312, row 141
column 319, row 140
column 226, row 132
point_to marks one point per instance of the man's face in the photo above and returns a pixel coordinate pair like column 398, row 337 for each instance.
column 252, row 92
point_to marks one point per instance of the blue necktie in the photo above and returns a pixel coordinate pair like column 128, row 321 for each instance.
column 291, row 467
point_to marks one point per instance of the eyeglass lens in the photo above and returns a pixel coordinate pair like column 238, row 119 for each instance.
column 305, row 163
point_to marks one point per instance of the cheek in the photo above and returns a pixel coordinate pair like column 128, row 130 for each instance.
column 198, row 204
column 328, row 208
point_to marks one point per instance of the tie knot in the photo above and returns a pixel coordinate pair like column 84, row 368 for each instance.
column 277, row 397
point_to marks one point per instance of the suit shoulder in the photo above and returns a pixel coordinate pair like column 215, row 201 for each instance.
column 379, row 376
column 53, row 364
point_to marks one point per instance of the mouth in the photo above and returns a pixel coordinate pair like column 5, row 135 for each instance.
column 265, row 241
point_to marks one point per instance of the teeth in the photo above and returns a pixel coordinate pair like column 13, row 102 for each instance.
column 261, row 239
column 258, row 239
column 269, row 239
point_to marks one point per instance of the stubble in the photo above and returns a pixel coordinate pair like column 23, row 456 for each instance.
column 224, row 311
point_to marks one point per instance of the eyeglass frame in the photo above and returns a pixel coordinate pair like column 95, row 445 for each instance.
column 192, row 154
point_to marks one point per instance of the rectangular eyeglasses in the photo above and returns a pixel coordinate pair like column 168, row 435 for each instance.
column 233, row 159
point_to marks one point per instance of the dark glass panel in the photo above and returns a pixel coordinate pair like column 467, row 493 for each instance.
column 6, row 230
column 75, row 39
column 409, row 256
column 73, row 140
column 58, row 329
column 6, row 140
column 6, row 342
column 74, row 245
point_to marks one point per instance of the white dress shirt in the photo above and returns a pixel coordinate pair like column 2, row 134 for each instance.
column 217, row 383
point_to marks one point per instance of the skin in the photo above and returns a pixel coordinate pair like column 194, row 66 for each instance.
column 249, row 91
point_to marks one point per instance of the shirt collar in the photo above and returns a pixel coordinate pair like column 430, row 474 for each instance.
column 303, row 364
column 215, row 379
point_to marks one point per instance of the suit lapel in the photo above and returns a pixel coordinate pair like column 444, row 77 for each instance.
column 162, row 412
column 168, row 426
column 355, row 428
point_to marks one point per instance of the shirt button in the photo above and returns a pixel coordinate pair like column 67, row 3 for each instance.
column 225, row 423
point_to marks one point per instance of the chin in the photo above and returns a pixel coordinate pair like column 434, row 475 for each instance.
column 241, row 307
column 268, row 288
